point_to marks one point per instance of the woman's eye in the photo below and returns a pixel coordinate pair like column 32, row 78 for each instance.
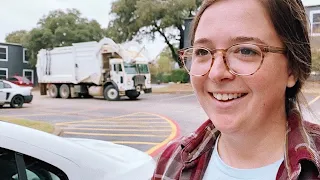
column 201, row 52
column 247, row 51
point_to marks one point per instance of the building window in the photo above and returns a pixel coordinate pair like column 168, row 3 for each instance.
column 28, row 73
column 25, row 56
column 3, row 73
column 3, row 53
column 315, row 22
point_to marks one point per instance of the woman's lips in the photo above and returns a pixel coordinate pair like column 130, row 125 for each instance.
column 225, row 97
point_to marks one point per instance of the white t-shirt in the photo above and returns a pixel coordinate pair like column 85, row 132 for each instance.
column 218, row 170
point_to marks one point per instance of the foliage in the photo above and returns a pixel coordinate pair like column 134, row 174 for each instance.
column 315, row 60
column 163, row 65
column 18, row 37
column 60, row 28
column 180, row 75
column 176, row 75
column 141, row 18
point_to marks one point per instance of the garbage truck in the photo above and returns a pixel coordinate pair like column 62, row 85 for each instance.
column 90, row 69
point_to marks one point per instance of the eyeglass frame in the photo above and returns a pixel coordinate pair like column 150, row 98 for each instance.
column 264, row 49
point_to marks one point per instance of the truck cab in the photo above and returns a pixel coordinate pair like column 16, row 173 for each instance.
column 129, row 78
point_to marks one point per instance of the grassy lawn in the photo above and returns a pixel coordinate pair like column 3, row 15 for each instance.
column 42, row 126
column 174, row 88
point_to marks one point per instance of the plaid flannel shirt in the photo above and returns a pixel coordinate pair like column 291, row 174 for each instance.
column 187, row 158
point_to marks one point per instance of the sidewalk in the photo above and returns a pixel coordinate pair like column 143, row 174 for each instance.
column 311, row 87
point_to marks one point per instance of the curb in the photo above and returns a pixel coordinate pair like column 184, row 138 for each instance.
column 156, row 150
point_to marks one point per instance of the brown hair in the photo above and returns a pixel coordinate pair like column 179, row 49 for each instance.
column 290, row 22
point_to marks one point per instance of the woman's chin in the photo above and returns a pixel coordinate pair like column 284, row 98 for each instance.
column 226, row 124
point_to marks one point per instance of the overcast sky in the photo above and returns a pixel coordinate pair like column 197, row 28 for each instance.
column 24, row 14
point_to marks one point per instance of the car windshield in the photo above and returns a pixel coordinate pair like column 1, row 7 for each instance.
column 130, row 68
column 25, row 80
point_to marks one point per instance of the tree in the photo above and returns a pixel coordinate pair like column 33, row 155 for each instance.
column 140, row 18
column 61, row 28
column 16, row 37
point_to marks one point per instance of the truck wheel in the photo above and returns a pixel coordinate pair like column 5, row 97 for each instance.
column 133, row 94
column 64, row 91
column 17, row 102
column 53, row 91
column 110, row 93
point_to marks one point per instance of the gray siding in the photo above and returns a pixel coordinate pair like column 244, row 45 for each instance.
column 187, row 25
column 15, row 62
column 311, row 8
column 314, row 40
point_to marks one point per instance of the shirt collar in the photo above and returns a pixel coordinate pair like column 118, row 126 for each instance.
column 299, row 144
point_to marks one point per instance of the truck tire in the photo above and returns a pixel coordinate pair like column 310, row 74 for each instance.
column 110, row 93
column 53, row 91
column 64, row 91
column 133, row 94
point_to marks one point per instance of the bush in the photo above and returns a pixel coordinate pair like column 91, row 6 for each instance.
column 179, row 75
column 315, row 60
column 166, row 78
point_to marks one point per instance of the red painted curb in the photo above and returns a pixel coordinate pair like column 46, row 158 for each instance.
column 161, row 148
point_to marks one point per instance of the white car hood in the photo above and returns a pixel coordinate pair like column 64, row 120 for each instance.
column 139, row 165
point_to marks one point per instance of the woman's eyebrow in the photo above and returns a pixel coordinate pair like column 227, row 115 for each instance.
column 242, row 39
column 203, row 41
column 233, row 40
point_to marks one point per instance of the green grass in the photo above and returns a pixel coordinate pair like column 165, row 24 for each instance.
column 42, row 126
column 174, row 88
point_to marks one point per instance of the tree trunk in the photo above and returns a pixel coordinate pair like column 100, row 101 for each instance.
column 173, row 52
column 181, row 41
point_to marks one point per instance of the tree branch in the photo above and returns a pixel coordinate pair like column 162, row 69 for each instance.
column 173, row 52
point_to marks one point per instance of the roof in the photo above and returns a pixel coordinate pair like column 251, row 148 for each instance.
column 15, row 44
column 308, row 3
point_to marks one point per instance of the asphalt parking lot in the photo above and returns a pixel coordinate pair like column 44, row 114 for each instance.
column 143, row 131
column 147, row 124
column 137, row 124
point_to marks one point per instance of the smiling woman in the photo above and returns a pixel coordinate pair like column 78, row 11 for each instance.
column 248, row 62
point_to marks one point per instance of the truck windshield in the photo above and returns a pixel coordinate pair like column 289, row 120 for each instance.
column 136, row 68
column 130, row 68
column 143, row 68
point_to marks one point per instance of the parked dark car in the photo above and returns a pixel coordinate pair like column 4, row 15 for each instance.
column 20, row 80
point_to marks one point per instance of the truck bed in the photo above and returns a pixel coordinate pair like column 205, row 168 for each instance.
column 80, row 63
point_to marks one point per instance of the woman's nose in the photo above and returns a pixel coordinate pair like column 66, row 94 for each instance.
column 219, row 71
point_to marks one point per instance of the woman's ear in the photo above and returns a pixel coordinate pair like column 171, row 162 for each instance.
column 292, row 80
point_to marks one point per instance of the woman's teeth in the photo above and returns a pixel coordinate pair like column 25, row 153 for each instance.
column 225, row 97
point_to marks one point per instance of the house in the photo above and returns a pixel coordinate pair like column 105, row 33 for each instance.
column 14, row 61
column 312, row 8
column 313, row 11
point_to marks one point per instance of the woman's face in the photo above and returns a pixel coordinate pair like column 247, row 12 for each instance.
column 227, row 22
